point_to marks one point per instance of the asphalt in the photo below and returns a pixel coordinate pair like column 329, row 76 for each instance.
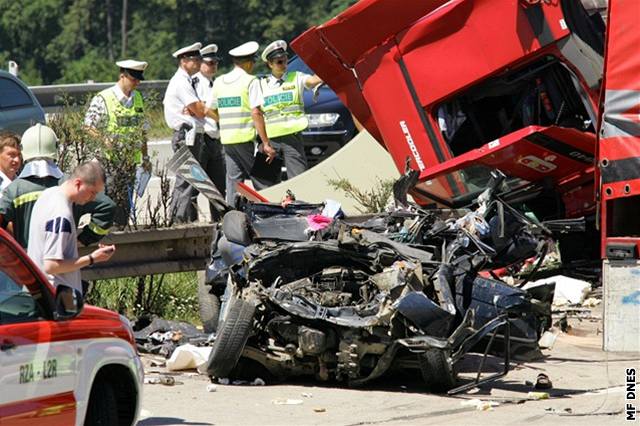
column 588, row 386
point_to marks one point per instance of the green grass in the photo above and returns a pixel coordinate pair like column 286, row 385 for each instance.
column 158, row 128
column 170, row 296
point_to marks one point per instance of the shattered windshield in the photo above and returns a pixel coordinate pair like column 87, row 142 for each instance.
column 462, row 186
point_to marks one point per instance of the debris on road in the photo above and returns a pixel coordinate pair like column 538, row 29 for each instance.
column 186, row 357
column 568, row 291
column 480, row 405
column 547, row 340
column 160, row 380
column 287, row 401
column 543, row 382
column 537, row 395
column 162, row 336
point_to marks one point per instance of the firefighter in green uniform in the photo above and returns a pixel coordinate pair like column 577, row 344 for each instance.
column 284, row 106
column 39, row 173
column 116, row 114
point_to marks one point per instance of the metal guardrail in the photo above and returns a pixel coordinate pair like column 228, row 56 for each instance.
column 52, row 97
column 153, row 251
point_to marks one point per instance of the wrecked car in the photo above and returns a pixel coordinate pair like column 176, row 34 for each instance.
column 360, row 298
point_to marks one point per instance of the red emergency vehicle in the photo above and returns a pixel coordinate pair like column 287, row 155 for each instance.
column 61, row 363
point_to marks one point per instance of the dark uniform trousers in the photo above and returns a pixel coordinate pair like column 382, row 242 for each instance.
column 210, row 155
column 239, row 158
column 291, row 149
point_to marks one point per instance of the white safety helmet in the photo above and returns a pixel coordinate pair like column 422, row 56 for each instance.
column 39, row 141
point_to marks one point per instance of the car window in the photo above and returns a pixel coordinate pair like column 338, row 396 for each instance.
column 12, row 94
column 16, row 303
column 21, row 296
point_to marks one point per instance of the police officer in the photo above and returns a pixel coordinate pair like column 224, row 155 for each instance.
column 185, row 113
column 116, row 115
column 212, row 156
column 39, row 173
column 118, row 110
column 237, row 100
column 284, row 106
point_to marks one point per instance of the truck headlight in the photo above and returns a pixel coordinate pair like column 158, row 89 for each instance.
column 323, row 120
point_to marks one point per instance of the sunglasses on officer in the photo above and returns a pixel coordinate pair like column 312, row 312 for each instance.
column 280, row 61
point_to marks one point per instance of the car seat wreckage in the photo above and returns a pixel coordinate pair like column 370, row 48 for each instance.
column 364, row 296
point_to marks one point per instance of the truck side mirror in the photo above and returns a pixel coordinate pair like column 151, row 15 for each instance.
column 69, row 303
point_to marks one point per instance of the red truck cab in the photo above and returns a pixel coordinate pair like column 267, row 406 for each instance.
column 457, row 88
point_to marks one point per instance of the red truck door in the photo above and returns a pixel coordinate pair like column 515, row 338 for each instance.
column 619, row 180
column 619, row 137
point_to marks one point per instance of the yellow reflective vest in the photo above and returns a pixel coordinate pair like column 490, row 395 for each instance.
column 122, row 120
column 283, row 107
column 234, row 110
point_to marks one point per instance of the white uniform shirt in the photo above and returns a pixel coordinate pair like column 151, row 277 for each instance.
column 96, row 115
column 179, row 94
column 255, row 93
column 204, row 87
column 300, row 81
column 53, row 236
column 4, row 181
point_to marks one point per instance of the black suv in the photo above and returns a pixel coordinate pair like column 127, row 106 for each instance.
column 330, row 122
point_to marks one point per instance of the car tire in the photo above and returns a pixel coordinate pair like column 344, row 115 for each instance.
column 437, row 372
column 208, row 304
column 103, row 406
column 231, row 338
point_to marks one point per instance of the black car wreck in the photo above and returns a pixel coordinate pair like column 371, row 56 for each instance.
column 366, row 296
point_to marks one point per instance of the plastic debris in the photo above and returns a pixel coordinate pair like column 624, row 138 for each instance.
column 591, row 302
column 224, row 381
column 319, row 410
column 568, row 291
column 538, row 395
column 258, row 382
column 331, row 209
column 211, row 387
column 479, row 404
column 188, row 357
column 307, row 394
column 287, row 401
column 547, row 340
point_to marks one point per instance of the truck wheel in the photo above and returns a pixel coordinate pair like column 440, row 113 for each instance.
column 209, row 305
column 437, row 372
column 231, row 338
column 103, row 406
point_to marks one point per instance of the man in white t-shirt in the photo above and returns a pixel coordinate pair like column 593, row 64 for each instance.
column 53, row 244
